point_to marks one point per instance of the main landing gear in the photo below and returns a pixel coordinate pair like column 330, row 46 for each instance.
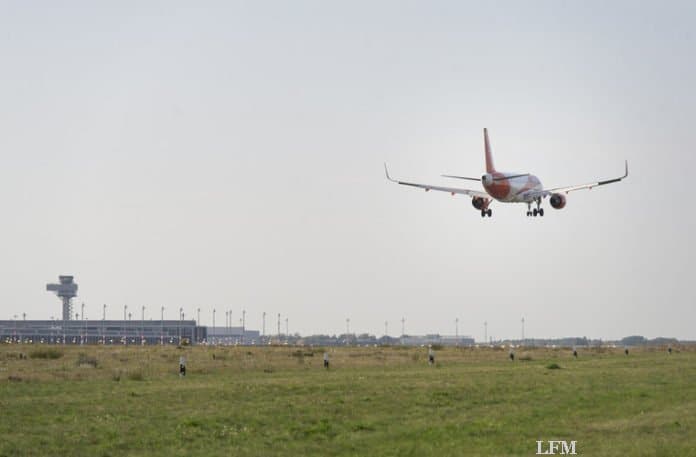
column 538, row 211
column 486, row 212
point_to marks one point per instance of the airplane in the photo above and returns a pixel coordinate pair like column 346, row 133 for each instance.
column 509, row 187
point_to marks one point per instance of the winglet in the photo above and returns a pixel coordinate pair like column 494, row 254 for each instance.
column 386, row 172
column 609, row 181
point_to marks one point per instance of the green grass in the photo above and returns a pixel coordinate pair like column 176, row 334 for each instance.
column 373, row 402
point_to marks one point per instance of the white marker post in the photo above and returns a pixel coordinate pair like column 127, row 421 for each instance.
column 182, row 366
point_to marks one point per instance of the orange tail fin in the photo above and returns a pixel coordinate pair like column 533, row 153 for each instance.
column 490, row 168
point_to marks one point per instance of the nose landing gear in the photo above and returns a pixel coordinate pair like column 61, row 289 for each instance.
column 486, row 212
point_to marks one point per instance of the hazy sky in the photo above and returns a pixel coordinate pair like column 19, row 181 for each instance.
column 229, row 155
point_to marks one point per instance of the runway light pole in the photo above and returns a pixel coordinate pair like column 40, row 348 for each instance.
column 162, row 326
column 104, row 324
column 198, row 324
column 181, row 322
column 125, row 332
column 142, row 326
column 243, row 319
column 84, row 330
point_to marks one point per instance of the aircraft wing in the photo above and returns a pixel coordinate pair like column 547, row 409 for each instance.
column 428, row 187
column 565, row 190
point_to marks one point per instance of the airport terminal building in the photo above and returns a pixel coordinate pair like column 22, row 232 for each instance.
column 102, row 331
column 122, row 332
column 137, row 331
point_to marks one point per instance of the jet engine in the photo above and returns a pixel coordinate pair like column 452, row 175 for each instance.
column 478, row 202
column 558, row 201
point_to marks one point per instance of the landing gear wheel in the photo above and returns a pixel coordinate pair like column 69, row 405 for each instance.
column 529, row 213
column 535, row 212
column 541, row 212
column 489, row 212
column 483, row 213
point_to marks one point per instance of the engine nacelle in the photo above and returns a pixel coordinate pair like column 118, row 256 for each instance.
column 478, row 202
column 558, row 201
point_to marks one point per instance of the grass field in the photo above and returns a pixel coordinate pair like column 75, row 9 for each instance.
column 112, row 401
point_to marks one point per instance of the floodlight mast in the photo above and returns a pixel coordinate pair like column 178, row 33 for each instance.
column 66, row 290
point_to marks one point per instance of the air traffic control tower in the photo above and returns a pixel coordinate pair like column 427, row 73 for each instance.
column 66, row 291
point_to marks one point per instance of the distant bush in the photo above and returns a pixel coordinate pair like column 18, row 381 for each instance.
column 84, row 359
column 553, row 366
column 135, row 375
column 363, row 427
column 436, row 347
column 46, row 354
column 12, row 355
column 301, row 353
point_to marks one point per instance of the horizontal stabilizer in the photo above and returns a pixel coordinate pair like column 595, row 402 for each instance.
column 503, row 178
column 461, row 177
